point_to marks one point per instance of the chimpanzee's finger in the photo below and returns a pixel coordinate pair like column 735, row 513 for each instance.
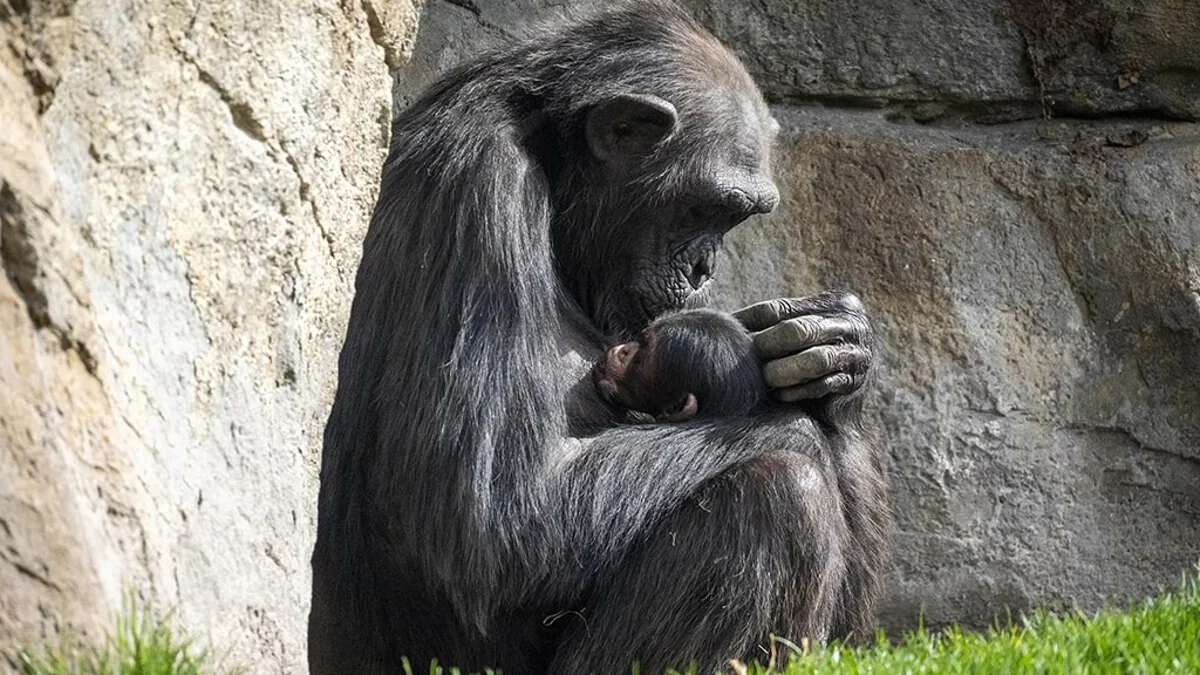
column 840, row 383
column 794, row 335
column 815, row 363
column 767, row 313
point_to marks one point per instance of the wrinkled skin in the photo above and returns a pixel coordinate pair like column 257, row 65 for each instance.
column 657, row 246
column 817, row 348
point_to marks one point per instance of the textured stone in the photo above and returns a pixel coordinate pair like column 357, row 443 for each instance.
column 1113, row 56
column 183, row 191
column 988, row 59
column 870, row 52
column 1037, row 290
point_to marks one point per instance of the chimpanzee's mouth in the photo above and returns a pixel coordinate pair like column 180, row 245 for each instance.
column 702, row 269
column 681, row 282
column 690, row 270
column 697, row 262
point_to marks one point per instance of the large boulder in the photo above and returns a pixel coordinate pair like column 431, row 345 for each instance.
column 183, row 190
column 1037, row 290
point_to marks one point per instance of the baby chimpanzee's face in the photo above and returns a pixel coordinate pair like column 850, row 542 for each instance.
column 683, row 361
column 628, row 377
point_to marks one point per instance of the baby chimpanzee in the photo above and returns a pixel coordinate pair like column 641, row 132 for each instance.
column 697, row 362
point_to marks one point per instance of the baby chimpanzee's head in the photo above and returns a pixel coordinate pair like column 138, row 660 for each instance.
column 689, row 363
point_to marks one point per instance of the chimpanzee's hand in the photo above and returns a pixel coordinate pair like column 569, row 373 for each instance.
column 817, row 349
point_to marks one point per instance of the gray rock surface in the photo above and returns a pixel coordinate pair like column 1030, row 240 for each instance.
column 184, row 186
column 984, row 59
column 1037, row 289
column 183, row 190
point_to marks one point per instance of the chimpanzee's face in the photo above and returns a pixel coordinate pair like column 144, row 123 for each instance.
column 674, row 176
column 632, row 376
column 625, row 376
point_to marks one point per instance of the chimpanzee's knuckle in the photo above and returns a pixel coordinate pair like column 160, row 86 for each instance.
column 776, row 373
column 829, row 358
column 804, row 330
column 849, row 364
column 841, row 383
column 841, row 356
column 855, row 330
column 790, row 307
column 864, row 327
column 851, row 302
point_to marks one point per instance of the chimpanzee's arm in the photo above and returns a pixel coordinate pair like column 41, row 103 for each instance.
column 696, row 541
column 819, row 351
column 629, row 476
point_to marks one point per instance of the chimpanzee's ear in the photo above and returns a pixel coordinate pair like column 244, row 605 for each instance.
column 628, row 126
column 681, row 411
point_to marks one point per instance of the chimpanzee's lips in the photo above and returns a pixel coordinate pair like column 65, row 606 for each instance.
column 700, row 261
column 679, row 282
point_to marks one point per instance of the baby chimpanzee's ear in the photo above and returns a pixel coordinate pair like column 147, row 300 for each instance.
column 680, row 411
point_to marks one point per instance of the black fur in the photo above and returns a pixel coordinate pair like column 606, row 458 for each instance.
column 712, row 355
column 460, row 517
column 703, row 353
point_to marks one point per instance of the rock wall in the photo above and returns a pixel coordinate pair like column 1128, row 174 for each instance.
column 1013, row 186
column 183, row 190
column 1038, row 292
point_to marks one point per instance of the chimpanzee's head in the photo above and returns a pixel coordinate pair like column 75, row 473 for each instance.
column 663, row 145
column 684, row 364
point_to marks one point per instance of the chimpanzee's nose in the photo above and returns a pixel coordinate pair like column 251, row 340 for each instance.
column 738, row 204
column 767, row 198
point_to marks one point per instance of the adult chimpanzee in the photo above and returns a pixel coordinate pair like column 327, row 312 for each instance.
column 687, row 364
column 536, row 203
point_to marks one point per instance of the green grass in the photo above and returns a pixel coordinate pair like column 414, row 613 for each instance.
column 1162, row 635
column 142, row 643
